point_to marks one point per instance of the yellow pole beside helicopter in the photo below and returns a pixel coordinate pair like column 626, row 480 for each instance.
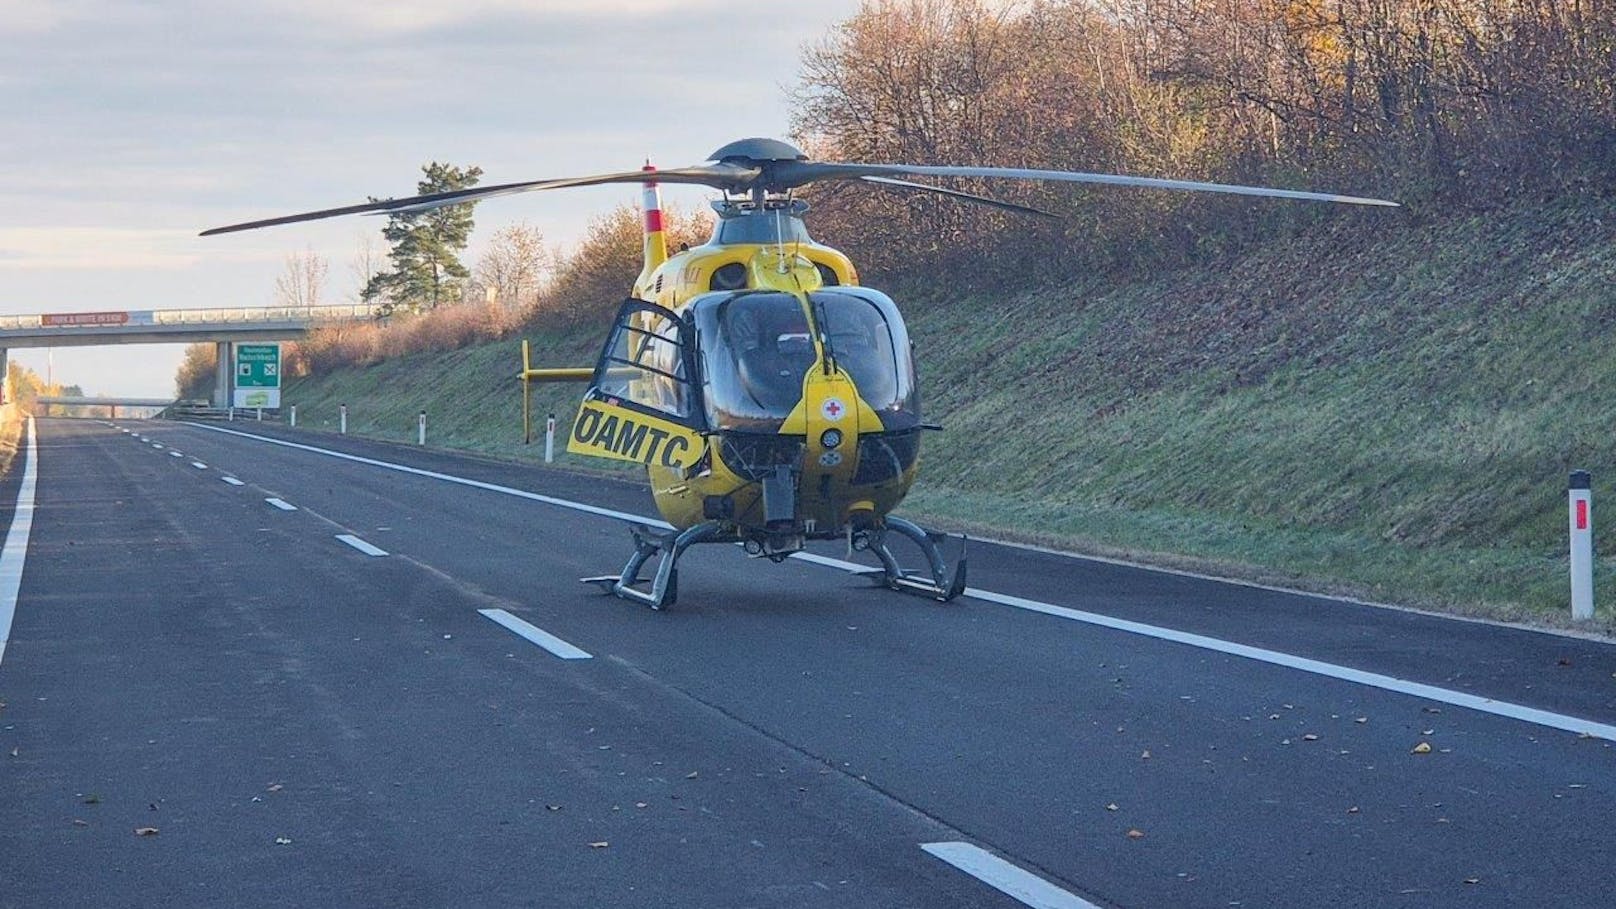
column 771, row 399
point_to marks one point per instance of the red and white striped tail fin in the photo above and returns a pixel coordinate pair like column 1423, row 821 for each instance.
column 656, row 243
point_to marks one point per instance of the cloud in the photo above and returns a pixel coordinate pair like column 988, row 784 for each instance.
column 423, row 15
column 95, row 248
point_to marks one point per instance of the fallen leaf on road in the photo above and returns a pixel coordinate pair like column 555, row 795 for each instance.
column 1310, row 737
column 92, row 799
column 78, row 822
column 692, row 774
column 552, row 807
column 1422, row 748
column 1144, row 756
column 1111, row 807
column 639, row 804
column 1362, row 719
column 145, row 831
column 283, row 841
column 1472, row 880
column 1136, row 834
column 276, row 787
column 1353, row 810
column 600, row 845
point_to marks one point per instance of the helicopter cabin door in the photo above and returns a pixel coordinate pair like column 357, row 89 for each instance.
column 641, row 405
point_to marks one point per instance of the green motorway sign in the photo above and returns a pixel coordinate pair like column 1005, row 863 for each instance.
column 258, row 375
column 258, row 366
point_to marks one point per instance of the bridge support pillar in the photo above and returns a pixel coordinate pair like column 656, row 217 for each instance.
column 5, row 378
column 221, row 375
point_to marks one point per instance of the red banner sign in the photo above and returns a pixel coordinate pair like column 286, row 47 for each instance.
column 60, row 319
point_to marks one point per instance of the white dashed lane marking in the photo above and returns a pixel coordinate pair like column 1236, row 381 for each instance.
column 536, row 635
column 361, row 545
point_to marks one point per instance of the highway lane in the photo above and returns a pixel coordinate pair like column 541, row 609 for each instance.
column 1251, row 783
column 188, row 658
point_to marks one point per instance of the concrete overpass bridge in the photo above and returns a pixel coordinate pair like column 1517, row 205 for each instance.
column 221, row 326
column 111, row 403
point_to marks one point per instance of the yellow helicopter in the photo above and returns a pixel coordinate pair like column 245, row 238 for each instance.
column 772, row 399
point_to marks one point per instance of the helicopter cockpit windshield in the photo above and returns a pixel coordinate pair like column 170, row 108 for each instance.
column 756, row 348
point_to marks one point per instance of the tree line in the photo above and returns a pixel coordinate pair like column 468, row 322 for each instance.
column 1453, row 102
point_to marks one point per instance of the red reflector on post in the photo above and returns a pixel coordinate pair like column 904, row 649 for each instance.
column 1582, row 514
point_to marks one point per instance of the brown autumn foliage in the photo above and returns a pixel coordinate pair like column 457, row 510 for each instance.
column 194, row 379
column 1453, row 103
column 588, row 285
column 362, row 343
column 596, row 277
column 1456, row 102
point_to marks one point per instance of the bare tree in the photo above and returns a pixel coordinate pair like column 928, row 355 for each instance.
column 367, row 262
column 302, row 281
column 514, row 265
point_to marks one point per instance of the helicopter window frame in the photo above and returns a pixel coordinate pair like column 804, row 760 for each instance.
column 685, row 407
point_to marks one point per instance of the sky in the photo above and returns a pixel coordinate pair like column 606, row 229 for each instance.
column 134, row 124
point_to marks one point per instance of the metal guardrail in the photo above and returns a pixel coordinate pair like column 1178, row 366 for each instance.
column 215, row 316
column 190, row 410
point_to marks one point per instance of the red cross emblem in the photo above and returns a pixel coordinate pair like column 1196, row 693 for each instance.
column 832, row 409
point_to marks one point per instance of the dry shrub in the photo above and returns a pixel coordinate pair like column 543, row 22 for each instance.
column 194, row 379
column 588, row 286
column 595, row 277
column 363, row 343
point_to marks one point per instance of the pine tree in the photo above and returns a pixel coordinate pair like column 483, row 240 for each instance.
column 426, row 267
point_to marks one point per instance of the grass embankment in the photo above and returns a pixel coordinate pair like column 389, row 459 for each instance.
column 1387, row 407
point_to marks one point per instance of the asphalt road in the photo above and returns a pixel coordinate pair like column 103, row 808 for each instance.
column 304, row 723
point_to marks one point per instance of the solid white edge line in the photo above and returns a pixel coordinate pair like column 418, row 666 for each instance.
column 1276, row 658
column 1023, row 886
column 282, row 504
column 361, row 545
column 535, row 635
column 232, row 481
column 15, row 553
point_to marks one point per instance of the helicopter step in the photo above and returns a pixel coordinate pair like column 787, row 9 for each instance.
column 664, row 585
column 940, row 586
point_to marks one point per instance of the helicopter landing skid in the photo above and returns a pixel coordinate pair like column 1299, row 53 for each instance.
column 665, row 584
column 940, row 586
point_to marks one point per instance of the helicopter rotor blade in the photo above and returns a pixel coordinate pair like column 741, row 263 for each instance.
column 954, row 193
column 725, row 176
column 788, row 174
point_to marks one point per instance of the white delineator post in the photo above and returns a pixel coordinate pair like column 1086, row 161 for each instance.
column 1582, row 547
column 549, row 439
column 420, row 429
column 342, row 419
column 294, row 416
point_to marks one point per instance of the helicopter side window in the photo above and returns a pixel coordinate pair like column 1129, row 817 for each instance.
column 645, row 364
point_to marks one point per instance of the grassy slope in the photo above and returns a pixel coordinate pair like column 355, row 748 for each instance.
column 1387, row 406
